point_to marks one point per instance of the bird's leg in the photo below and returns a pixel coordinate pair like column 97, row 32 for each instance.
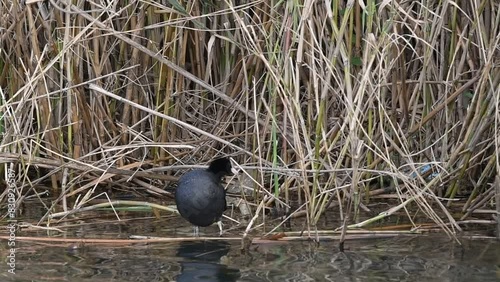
column 219, row 223
column 196, row 231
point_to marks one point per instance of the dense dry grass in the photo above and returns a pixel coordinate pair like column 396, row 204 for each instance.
column 320, row 103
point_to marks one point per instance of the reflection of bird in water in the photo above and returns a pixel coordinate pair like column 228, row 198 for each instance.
column 202, row 262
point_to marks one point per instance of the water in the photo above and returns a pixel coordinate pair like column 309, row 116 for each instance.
column 422, row 258
column 412, row 258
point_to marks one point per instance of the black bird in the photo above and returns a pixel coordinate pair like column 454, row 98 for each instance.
column 200, row 197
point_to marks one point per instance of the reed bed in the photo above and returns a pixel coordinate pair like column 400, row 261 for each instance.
column 326, row 106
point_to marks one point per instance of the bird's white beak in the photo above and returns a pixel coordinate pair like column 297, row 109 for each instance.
column 234, row 171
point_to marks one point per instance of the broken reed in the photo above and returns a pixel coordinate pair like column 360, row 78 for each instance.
column 332, row 97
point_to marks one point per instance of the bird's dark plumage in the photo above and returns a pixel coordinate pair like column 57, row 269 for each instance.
column 200, row 196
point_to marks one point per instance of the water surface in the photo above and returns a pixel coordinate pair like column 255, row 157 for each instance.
column 422, row 258
column 428, row 257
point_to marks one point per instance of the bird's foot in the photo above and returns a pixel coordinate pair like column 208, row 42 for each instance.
column 219, row 223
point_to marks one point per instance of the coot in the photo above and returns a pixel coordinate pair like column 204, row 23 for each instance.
column 200, row 197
